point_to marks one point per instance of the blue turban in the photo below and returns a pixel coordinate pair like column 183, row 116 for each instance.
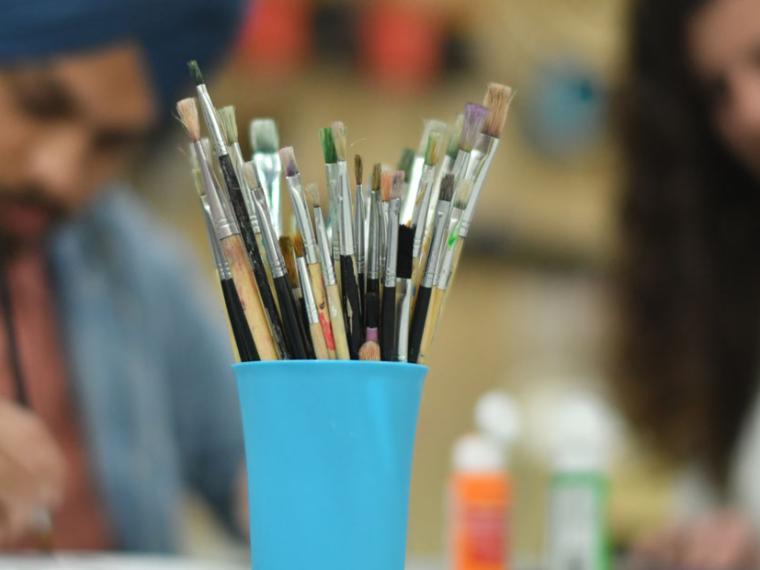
column 170, row 32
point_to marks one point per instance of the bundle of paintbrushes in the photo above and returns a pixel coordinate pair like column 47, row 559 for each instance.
column 365, row 277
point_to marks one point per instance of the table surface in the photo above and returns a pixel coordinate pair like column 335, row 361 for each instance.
column 116, row 562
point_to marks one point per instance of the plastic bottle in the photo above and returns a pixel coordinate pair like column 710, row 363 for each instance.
column 480, row 489
column 577, row 528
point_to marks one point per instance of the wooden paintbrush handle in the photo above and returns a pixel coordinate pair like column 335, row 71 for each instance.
column 318, row 340
column 250, row 299
column 338, row 323
column 431, row 322
column 320, row 298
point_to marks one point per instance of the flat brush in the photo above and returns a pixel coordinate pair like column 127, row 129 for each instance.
column 331, row 284
column 333, row 178
column 240, row 329
column 474, row 118
column 293, row 335
column 230, row 241
column 360, row 246
column 288, row 254
column 352, row 307
column 372, row 300
column 312, row 314
column 445, row 267
column 409, row 203
column 235, row 193
column 391, row 187
column 301, row 211
column 422, row 304
column 265, row 141
column 404, row 267
column 453, row 135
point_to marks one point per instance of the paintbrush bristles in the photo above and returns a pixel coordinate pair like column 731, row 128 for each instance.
column 187, row 109
column 474, row 118
column 405, row 162
column 398, row 184
column 249, row 175
column 229, row 123
column 370, row 351
column 447, row 188
column 286, row 247
column 340, row 139
column 431, row 126
column 434, row 150
column 288, row 158
column 463, row 194
column 264, row 136
column 328, row 145
column 497, row 99
column 386, row 185
column 358, row 169
column 455, row 133
column 298, row 245
column 377, row 173
column 195, row 72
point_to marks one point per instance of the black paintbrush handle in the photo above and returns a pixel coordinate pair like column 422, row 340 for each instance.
column 304, row 322
column 351, row 305
column 290, row 318
column 418, row 323
column 372, row 297
column 388, row 325
column 6, row 306
column 363, row 296
column 240, row 329
column 252, row 248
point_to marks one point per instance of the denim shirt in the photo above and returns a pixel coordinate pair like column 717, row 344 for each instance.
column 149, row 362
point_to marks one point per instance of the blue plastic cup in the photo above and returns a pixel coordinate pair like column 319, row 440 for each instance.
column 329, row 449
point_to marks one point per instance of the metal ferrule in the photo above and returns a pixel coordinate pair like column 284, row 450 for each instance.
column 359, row 243
column 420, row 216
column 346, row 221
column 276, row 261
column 269, row 170
column 373, row 249
column 237, row 161
column 212, row 120
column 308, row 293
column 487, row 147
column 392, row 253
column 301, row 212
column 407, row 209
column 328, row 271
column 446, row 262
column 460, row 166
column 332, row 172
column 444, row 168
column 224, row 225
column 439, row 235
column 222, row 267
column 383, row 232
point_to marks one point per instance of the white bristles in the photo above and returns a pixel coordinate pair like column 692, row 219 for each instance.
column 264, row 135
column 187, row 109
column 229, row 123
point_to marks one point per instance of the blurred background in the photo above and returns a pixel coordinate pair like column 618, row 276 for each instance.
column 530, row 311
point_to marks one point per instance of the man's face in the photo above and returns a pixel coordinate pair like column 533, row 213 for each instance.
column 68, row 126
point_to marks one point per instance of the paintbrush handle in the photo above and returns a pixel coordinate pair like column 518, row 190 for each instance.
column 418, row 323
column 240, row 330
column 431, row 323
column 362, row 280
column 248, row 293
column 318, row 340
column 351, row 305
column 338, row 324
column 320, row 299
column 252, row 249
column 388, row 325
column 305, row 326
column 404, row 316
column 289, row 312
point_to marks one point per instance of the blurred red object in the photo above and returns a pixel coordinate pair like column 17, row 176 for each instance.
column 401, row 46
column 276, row 37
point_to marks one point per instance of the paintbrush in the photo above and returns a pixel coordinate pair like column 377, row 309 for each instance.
column 422, row 304
column 433, row 153
column 331, row 284
column 315, row 328
column 332, row 174
column 228, row 235
column 235, row 193
column 306, row 229
column 265, row 141
column 240, row 330
column 288, row 254
column 410, row 201
column 453, row 134
column 293, row 336
column 445, row 267
column 359, row 230
column 404, row 265
column 497, row 99
column 350, row 287
column 474, row 118
column 391, row 187
column 372, row 301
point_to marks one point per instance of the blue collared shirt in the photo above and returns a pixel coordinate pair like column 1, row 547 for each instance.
column 149, row 362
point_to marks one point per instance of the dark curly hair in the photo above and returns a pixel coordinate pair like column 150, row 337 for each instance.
column 690, row 266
